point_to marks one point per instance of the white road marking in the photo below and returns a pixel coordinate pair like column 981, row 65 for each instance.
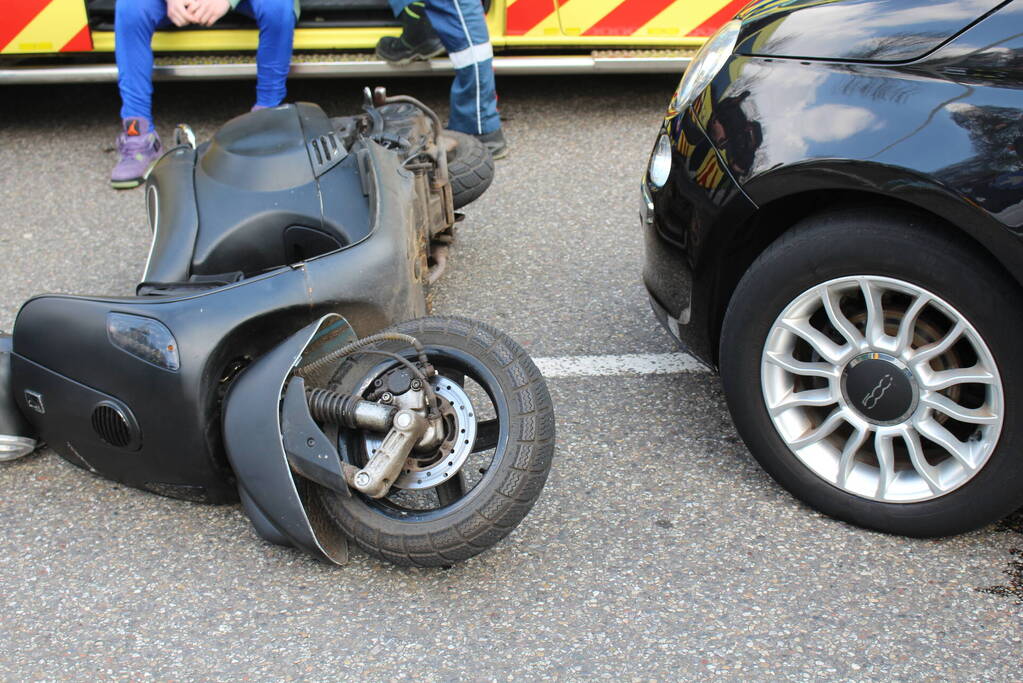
column 631, row 364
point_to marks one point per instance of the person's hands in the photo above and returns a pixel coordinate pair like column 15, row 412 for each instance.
column 179, row 12
column 205, row 12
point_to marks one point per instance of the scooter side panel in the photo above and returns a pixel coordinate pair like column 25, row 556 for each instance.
column 176, row 413
column 68, row 429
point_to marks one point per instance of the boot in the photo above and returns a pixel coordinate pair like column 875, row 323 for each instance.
column 418, row 40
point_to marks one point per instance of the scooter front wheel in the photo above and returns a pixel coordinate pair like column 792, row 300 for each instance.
column 453, row 503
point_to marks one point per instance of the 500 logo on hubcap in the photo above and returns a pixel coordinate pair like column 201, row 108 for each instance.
column 880, row 388
column 877, row 393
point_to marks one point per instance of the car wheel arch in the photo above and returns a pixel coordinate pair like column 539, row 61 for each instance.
column 747, row 241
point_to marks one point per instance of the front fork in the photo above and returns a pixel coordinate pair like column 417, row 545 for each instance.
column 410, row 423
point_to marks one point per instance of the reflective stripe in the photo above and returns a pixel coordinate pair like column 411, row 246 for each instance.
column 474, row 54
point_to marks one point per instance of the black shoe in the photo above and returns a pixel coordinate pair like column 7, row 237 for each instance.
column 495, row 142
column 418, row 40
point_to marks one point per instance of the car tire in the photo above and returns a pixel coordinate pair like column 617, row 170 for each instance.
column 906, row 286
column 470, row 168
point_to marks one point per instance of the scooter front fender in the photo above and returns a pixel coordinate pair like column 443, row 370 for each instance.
column 281, row 505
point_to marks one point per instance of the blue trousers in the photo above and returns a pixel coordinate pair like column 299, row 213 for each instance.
column 462, row 28
column 136, row 20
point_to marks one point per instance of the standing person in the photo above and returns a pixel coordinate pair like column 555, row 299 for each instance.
column 138, row 145
column 431, row 26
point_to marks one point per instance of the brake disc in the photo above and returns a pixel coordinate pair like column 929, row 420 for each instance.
column 434, row 467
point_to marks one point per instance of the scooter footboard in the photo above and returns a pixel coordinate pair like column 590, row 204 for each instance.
column 281, row 506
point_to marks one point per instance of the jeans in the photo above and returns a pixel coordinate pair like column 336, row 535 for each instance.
column 136, row 20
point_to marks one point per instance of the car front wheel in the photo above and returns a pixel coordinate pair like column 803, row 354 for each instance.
column 871, row 365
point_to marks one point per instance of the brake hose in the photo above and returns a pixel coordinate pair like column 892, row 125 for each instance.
column 359, row 347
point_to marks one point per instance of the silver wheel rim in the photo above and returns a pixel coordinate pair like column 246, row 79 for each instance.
column 941, row 436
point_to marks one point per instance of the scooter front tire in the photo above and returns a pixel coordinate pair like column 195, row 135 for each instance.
column 478, row 506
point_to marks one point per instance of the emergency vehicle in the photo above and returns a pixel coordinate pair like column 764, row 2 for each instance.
column 73, row 40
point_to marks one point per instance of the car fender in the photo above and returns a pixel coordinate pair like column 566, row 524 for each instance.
column 802, row 182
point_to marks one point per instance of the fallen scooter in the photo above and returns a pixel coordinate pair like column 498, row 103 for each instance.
column 237, row 371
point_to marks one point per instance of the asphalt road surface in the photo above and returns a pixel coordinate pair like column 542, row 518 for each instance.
column 658, row 550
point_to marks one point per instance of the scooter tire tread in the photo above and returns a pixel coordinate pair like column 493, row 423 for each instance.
column 509, row 494
column 470, row 169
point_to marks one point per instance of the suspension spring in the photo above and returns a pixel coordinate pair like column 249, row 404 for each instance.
column 348, row 411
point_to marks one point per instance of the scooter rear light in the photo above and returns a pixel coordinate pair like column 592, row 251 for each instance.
column 144, row 338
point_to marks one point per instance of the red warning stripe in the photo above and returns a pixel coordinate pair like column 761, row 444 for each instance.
column 628, row 18
column 526, row 14
column 714, row 22
column 82, row 42
column 16, row 16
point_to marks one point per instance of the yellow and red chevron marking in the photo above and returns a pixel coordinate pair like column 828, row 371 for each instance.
column 703, row 108
column 684, row 147
column 603, row 18
column 710, row 174
column 44, row 26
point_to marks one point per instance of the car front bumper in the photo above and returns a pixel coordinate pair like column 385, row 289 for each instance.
column 683, row 222
column 663, row 274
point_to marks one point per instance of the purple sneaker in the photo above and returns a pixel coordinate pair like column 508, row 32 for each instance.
column 138, row 146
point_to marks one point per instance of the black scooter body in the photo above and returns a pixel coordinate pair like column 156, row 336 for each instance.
column 219, row 262
column 275, row 247
column 272, row 187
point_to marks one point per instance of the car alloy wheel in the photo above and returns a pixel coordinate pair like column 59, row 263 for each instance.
column 882, row 389
column 870, row 362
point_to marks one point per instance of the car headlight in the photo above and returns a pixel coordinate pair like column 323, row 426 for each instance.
column 660, row 162
column 706, row 64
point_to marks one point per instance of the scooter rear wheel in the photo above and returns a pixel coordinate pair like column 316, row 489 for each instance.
column 470, row 168
column 499, row 395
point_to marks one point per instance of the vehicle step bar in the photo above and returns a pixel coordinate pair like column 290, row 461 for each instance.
column 624, row 62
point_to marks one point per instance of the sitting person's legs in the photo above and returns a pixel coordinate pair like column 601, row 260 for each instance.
column 276, row 21
column 135, row 21
column 138, row 144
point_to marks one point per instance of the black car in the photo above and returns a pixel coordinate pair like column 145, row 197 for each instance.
column 833, row 213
